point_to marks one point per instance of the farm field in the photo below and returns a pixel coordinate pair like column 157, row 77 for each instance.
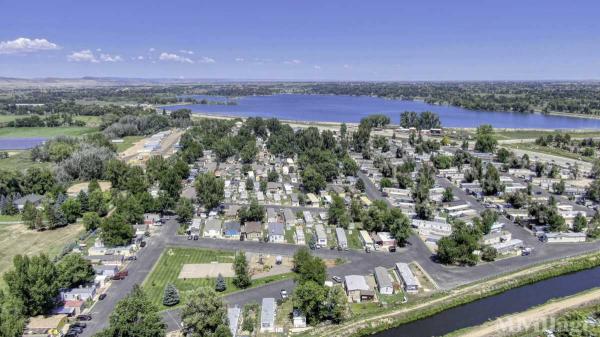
column 20, row 160
column 16, row 239
column 44, row 132
column 169, row 265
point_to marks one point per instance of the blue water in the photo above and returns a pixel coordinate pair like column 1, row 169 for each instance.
column 20, row 143
column 339, row 108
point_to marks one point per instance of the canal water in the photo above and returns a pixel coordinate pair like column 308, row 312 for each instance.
column 341, row 108
column 511, row 301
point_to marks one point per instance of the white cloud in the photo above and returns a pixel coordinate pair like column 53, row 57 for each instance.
column 206, row 59
column 294, row 61
column 26, row 45
column 189, row 52
column 83, row 56
column 174, row 57
column 239, row 59
column 140, row 58
column 346, row 66
column 110, row 58
column 151, row 49
column 318, row 67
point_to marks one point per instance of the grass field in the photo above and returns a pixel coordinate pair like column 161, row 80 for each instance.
column 16, row 239
column 91, row 121
column 549, row 150
column 128, row 142
column 10, row 218
column 172, row 260
column 532, row 134
column 354, row 241
column 44, row 132
column 20, row 160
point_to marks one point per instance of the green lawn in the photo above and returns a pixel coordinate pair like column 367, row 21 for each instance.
column 289, row 235
column 10, row 218
column 169, row 265
column 354, row 241
column 128, row 142
column 549, row 150
column 91, row 121
column 44, row 132
column 20, row 160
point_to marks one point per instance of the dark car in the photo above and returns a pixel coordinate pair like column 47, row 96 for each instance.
column 84, row 317
column 143, row 244
column 79, row 325
column 76, row 330
column 101, row 297
column 337, row 279
column 71, row 334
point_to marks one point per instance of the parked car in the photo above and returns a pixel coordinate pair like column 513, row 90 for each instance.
column 101, row 297
column 337, row 279
column 79, row 325
column 143, row 244
column 132, row 258
column 284, row 294
column 75, row 330
column 84, row 317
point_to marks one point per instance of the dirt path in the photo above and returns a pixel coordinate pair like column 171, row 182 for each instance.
column 534, row 317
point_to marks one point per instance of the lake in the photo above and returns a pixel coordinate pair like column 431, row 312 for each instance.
column 340, row 108
column 20, row 143
column 511, row 301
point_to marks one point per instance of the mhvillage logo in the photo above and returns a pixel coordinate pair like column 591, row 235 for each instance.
column 546, row 326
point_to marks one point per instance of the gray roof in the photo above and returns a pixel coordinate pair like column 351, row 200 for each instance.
column 233, row 315
column 406, row 274
column 356, row 282
column 383, row 277
column 267, row 312
column 212, row 224
column 341, row 235
column 276, row 228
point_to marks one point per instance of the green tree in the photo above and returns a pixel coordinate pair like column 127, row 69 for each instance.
column 91, row 221
column 360, row 185
column 242, row 275
column 84, row 201
column 336, row 305
column 220, row 285
column 170, row 295
column 135, row 316
column 185, row 210
column 579, row 223
column 337, row 214
column 491, row 184
column 205, row 315
column 130, row 208
column 12, row 321
column 97, row 203
column 460, row 245
column 71, row 208
column 33, row 282
column 312, row 269
column 30, row 216
column 74, row 271
column 399, row 226
column 301, row 256
column 252, row 212
column 116, row 231
column 210, row 190
column 559, row 187
column 489, row 253
column 309, row 297
column 249, row 184
column 312, row 180
column 448, row 195
column 485, row 140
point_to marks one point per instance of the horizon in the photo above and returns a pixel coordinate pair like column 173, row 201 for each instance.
column 431, row 41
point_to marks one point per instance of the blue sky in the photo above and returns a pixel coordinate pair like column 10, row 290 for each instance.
column 311, row 40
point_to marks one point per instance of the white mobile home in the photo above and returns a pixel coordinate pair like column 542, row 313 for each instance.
column 411, row 284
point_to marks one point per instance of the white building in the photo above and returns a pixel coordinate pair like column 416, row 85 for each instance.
column 564, row 237
column 267, row 315
column 411, row 284
column 340, row 233
column 384, row 282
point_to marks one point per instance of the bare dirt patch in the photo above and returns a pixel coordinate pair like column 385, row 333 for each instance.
column 204, row 270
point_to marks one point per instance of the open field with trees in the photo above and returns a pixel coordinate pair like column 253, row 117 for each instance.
column 549, row 150
column 128, row 142
column 533, row 134
column 20, row 160
column 17, row 239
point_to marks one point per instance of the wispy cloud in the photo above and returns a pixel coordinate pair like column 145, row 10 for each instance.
column 294, row 61
column 85, row 55
column 317, row 67
column 110, row 58
column 26, row 45
column 175, row 58
column 347, row 66
column 239, row 59
column 189, row 52
column 206, row 59
column 152, row 49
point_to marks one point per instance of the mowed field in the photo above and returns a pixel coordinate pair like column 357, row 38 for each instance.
column 169, row 266
column 91, row 121
column 16, row 239
column 20, row 160
column 44, row 132
column 128, row 142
